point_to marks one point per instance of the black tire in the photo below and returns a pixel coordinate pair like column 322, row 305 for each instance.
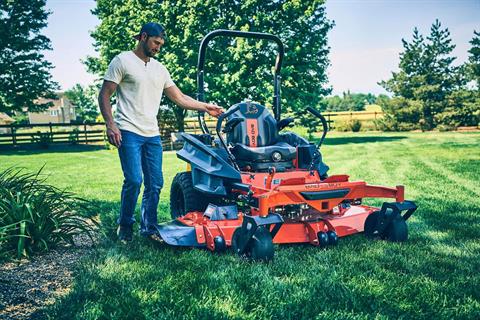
column 397, row 231
column 184, row 198
column 332, row 238
column 370, row 230
column 322, row 239
column 220, row 245
column 261, row 247
column 237, row 238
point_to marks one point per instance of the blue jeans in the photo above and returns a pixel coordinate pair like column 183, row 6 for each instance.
column 139, row 154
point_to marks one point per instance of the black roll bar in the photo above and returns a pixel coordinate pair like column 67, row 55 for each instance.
column 239, row 34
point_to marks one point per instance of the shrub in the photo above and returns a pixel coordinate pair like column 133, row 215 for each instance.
column 351, row 125
column 43, row 139
column 355, row 125
column 35, row 216
column 390, row 123
column 465, row 115
column 74, row 135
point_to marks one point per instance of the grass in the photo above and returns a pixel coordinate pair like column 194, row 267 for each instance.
column 432, row 276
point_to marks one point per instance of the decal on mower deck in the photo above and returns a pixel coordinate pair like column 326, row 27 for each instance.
column 274, row 181
column 322, row 185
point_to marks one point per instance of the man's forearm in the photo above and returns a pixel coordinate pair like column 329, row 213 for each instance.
column 106, row 109
column 187, row 102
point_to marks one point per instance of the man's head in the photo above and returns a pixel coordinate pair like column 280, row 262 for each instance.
column 151, row 38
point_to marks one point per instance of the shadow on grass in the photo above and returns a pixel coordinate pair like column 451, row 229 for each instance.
column 360, row 139
column 32, row 150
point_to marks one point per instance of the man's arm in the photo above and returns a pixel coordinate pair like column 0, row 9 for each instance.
column 113, row 133
column 186, row 102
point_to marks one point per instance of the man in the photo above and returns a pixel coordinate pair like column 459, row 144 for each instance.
column 139, row 81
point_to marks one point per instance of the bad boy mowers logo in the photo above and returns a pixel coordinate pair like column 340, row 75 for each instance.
column 251, row 109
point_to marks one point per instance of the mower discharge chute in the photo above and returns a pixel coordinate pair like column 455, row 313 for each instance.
column 261, row 187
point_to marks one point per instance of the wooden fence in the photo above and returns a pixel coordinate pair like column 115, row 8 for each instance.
column 191, row 124
column 51, row 133
column 94, row 133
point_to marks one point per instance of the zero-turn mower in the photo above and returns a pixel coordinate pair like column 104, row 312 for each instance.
column 259, row 187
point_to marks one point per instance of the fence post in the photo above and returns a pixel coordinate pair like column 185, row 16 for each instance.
column 13, row 129
column 85, row 132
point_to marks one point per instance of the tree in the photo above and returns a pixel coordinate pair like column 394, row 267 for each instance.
column 85, row 101
column 474, row 59
column 349, row 101
column 235, row 69
column 24, row 73
column 427, row 73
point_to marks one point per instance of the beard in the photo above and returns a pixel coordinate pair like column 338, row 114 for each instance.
column 149, row 52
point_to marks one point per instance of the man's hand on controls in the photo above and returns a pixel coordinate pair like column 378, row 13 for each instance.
column 213, row 110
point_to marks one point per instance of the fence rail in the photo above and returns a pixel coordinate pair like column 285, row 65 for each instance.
column 44, row 134
column 85, row 133
column 191, row 124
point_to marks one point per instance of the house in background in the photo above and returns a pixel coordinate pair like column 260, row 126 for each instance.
column 62, row 111
column 5, row 120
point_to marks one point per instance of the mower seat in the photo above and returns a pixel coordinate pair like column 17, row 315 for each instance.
column 256, row 142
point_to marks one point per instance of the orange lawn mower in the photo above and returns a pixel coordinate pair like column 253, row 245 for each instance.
column 260, row 187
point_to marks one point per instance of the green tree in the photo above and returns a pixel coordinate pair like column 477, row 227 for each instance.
column 427, row 74
column 235, row 69
column 463, row 107
column 85, row 101
column 474, row 59
column 24, row 71
column 349, row 101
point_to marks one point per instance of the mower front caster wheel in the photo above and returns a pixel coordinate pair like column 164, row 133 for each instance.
column 395, row 231
column 220, row 245
column 327, row 238
column 332, row 238
column 322, row 239
column 259, row 248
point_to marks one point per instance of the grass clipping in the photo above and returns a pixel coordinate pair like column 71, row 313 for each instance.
column 35, row 216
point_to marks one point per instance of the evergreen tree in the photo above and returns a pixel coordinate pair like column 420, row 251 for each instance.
column 474, row 59
column 427, row 74
column 24, row 73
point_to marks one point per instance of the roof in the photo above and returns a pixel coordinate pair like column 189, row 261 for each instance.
column 58, row 103
column 5, row 118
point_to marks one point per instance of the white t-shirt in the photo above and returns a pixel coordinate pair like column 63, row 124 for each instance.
column 139, row 91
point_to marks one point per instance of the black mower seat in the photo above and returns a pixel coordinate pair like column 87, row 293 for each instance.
column 256, row 139
column 280, row 151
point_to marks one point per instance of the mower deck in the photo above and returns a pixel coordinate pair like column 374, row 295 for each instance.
column 351, row 222
column 323, row 211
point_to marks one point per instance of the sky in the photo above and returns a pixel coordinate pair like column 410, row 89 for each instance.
column 365, row 41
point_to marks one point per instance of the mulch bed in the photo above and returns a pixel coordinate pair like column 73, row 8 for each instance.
column 29, row 285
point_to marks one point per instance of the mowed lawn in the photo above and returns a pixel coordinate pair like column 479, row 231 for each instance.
column 435, row 275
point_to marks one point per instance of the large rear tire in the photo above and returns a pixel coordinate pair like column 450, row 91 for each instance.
column 184, row 198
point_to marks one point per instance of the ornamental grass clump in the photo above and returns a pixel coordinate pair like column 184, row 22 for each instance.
column 36, row 216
